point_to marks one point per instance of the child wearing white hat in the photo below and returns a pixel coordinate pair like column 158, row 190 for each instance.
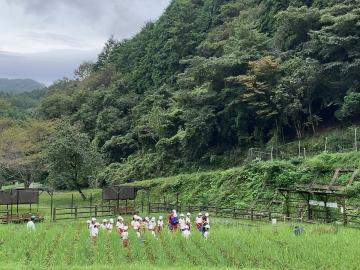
column 110, row 225
column 119, row 221
column 152, row 226
column 94, row 231
column 103, row 224
column 182, row 221
column 185, row 229
column 207, row 219
column 188, row 220
column 120, row 224
column 206, row 231
column 137, row 225
column 160, row 225
column 125, row 236
column 92, row 223
column 199, row 221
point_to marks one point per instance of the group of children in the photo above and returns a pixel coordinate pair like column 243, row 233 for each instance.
column 140, row 226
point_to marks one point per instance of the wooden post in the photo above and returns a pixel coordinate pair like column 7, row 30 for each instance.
column 326, row 210
column 17, row 202
column 309, row 208
column 304, row 153
column 72, row 203
column 345, row 221
column 51, row 205
column 91, row 199
column 299, row 149
column 271, row 154
column 54, row 217
column 76, row 213
column 287, row 208
column 234, row 215
column 95, row 211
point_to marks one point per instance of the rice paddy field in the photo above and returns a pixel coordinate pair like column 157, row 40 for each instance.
column 232, row 245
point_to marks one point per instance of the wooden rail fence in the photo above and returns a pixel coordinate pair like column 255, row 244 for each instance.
column 226, row 212
column 86, row 212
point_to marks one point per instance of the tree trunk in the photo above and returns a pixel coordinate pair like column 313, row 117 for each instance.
column 27, row 181
column 77, row 185
column 81, row 193
column 311, row 119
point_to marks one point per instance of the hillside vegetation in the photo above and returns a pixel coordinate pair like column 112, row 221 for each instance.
column 240, row 186
column 208, row 80
column 19, row 85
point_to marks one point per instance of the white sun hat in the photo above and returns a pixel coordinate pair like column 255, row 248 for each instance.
column 88, row 222
column 207, row 214
column 160, row 217
column 93, row 219
column 188, row 214
column 120, row 218
column 153, row 218
column 111, row 221
column 199, row 214
column 104, row 220
column 147, row 219
column 207, row 226
column 181, row 215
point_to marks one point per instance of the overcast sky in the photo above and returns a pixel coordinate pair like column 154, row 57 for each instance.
column 63, row 33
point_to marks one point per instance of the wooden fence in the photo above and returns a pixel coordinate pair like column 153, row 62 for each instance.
column 86, row 212
column 225, row 212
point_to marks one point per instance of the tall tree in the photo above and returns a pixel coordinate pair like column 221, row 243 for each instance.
column 72, row 159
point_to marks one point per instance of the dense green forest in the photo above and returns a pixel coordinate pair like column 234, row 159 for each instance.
column 207, row 81
column 19, row 85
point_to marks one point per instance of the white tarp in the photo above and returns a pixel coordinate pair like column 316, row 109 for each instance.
column 322, row 204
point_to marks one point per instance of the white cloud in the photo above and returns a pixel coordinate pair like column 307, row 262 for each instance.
column 44, row 25
column 47, row 39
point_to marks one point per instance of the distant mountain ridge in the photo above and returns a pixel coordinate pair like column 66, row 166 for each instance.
column 19, row 85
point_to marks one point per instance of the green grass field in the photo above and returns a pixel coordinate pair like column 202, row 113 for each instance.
column 66, row 245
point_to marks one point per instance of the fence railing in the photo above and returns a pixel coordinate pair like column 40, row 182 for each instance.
column 225, row 212
column 85, row 212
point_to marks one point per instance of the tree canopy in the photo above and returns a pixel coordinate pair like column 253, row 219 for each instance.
column 211, row 77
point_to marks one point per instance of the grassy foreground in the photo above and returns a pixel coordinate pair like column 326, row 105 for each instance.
column 67, row 246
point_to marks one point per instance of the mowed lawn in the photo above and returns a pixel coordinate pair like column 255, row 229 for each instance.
column 66, row 245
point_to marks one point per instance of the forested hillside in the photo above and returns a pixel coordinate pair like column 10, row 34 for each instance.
column 19, row 85
column 212, row 78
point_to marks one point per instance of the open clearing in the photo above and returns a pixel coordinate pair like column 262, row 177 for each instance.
column 255, row 246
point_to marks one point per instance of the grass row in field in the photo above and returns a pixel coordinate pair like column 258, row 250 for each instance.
column 66, row 245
